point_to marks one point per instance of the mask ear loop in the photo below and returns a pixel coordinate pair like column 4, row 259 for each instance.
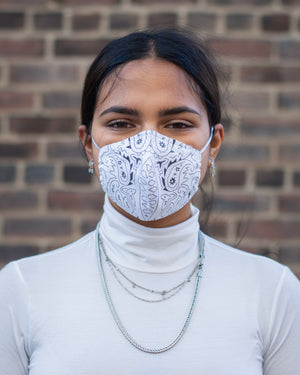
column 95, row 144
column 212, row 130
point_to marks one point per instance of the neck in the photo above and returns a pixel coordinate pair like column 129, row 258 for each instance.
column 178, row 217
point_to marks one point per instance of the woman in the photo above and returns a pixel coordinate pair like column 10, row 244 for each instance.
column 147, row 292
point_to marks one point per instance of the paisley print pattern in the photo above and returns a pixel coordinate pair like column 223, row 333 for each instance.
column 149, row 175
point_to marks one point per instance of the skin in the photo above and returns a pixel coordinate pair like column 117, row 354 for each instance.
column 151, row 94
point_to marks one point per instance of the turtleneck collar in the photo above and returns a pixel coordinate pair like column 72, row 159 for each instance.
column 155, row 250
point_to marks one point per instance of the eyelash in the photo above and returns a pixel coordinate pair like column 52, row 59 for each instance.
column 119, row 124
column 126, row 125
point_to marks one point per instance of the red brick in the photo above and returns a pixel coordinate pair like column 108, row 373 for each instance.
column 74, row 201
column 290, row 2
column 239, row 21
column 254, row 100
column 79, row 47
column 48, row 21
column 236, row 203
column 18, row 200
column 289, row 153
column 289, row 49
column 64, row 150
column 153, row 2
column 17, row 47
column 41, row 125
column 270, row 126
column 202, row 21
column 274, row 229
column 43, row 74
column 22, row 3
column 38, row 226
column 289, row 203
column 270, row 74
column 242, row 48
column 162, row 19
column 238, row 153
column 10, row 252
column 231, row 177
column 81, row 22
column 18, row 150
column 289, row 100
column 270, row 178
column 56, row 99
column 15, row 100
column 214, row 228
column 11, row 20
column 119, row 21
column 240, row 2
column 276, row 22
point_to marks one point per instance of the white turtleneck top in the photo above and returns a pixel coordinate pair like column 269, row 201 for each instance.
column 54, row 318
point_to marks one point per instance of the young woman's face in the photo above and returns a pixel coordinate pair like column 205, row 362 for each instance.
column 151, row 94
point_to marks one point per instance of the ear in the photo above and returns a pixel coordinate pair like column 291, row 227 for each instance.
column 86, row 140
column 216, row 141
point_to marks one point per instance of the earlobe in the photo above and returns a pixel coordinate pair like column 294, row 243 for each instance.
column 216, row 141
column 86, row 140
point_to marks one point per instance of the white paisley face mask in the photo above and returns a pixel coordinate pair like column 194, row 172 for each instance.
column 149, row 175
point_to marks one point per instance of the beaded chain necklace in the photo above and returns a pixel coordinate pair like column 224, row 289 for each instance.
column 115, row 315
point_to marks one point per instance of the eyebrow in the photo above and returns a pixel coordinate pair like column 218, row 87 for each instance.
column 161, row 113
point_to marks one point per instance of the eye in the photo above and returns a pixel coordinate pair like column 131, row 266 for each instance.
column 119, row 124
column 179, row 125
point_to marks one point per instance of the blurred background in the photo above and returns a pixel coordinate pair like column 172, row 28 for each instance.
column 47, row 197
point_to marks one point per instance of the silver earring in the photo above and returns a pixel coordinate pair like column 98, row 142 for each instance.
column 91, row 166
column 212, row 167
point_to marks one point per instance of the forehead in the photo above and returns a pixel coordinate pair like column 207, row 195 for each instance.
column 148, row 76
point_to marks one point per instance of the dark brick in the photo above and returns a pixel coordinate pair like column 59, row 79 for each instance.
column 48, row 21
column 76, row 174
column 79, row 47
column 240, row 2
column 239, row 21
column 289, row 49
column 202, row 21
column 74, row 201
column 119, row 21
column 44, row 74
column 242, row 48
column 270, row 126
column 296, row 178
column 39, row 173
column 250, row 100
column 38, row 226
column 88, row 225
column 7, row 173
column 162, row 19
column 18, row 150
column 56, row 99
column 289, row 203
column 276, row 22
column 216, row 229
column 89, row 2
column 236, row 203
column 64, row 150
column 289, row 254
column 289, row 100
column 274, row 229
column 11, row 20
column 289, row 153
column 152, row 2
column 238, row 153
column 231, row 177
column 270, row 74
column 22, row 3
column 81, row 22
column 9, row 252
column 12, row 100
column 18, row 200
column 290, row 2
column 27, row 47
column 270, row 178
column 42, row 125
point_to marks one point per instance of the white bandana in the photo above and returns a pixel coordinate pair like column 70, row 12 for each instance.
column 149, row 175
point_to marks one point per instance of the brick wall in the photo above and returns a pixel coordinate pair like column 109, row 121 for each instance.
column 47, row 196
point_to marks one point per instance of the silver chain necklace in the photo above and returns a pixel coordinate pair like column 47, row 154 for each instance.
column 116, row 316
column 164, row 294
